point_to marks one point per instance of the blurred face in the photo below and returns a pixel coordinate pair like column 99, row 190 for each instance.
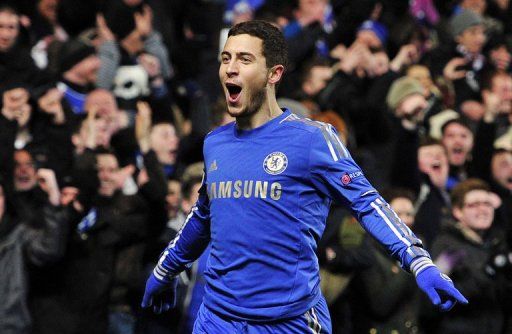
column 243, row 73
column 102, row 132
column 68, row 195
column 501, row 169
column 25, row 177
column 9, row 30
column 422, row 74
column 412, row 108
column 188, row 203
column 88, row 68
column 173, row 197
column 502, row 87
column 164, row 142
column 501, row 58
column 473, row 39
column 404, row 209
column 48, row 10
column 432, row 161
column 477, row 212
column 473, row 110
column 104, row 102
column 317, row 80
column 458, row 141
column 107, row 167
column 380, row 64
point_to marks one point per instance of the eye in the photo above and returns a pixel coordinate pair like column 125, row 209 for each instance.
column 246, row 60
column 225, row 59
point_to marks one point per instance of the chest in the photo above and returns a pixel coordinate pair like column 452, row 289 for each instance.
column 260, row 168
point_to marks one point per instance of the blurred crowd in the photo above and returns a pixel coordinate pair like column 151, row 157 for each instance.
column 105, row 104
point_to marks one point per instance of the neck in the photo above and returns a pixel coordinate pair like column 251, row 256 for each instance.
column 74, row 78
column 268, row 110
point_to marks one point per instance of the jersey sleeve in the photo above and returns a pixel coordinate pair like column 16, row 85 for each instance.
column 190, row 242
column 335, row 174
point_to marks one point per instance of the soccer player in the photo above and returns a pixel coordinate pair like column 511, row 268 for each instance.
column 269, row 179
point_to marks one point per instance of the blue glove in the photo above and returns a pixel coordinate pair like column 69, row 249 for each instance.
column 159, row 294
column 439, row 288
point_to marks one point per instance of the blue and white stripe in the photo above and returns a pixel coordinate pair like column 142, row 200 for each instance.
column 420, row 256
column 313, row 322
column 160, row 271
column 334, row 144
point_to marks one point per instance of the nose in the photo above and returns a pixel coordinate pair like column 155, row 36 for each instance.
column 232, row 68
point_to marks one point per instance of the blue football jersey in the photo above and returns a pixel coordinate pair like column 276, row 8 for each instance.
column 263, row 205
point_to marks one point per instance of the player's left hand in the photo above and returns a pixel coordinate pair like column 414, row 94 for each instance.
column 161, row 295
column 439, row 288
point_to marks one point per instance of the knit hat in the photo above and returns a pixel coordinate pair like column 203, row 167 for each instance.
column 377, row 28
column 72, row 52
column 402, row 88
column 464, row 20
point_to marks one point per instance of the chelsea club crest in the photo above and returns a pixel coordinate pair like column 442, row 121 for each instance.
column 275, row 163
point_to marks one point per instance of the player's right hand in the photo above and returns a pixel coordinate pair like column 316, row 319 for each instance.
column 161, row 295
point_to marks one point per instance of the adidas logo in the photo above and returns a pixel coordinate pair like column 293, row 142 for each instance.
column 213, row 166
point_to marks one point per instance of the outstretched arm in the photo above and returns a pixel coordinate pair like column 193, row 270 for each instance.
column 334, row 173
column 181, row 252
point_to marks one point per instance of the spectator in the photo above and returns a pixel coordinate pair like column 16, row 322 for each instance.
column 467, row 251
column 458, row 140
column 17, row 65
column 46, row 31
column 30, row 197
column 385, row 300
column 103, row 261
column 79, row 66
column 462, row 61
column 21, row 246
column 135, row 62
column 372, row 34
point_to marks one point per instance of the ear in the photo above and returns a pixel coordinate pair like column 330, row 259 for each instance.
column 457, row 213
column 275, row 74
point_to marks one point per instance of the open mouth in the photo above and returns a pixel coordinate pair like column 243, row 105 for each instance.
column 436, row 166
column 234, row 92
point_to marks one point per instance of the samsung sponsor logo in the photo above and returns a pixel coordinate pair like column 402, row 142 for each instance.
column 245, row 189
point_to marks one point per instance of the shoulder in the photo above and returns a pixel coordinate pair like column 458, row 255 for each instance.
column 219, row 130
column 306, row 125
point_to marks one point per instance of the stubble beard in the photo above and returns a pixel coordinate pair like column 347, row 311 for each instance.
column 256, row 101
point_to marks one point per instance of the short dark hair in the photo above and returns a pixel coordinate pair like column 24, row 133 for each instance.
column 186, row 186
column 274, row 50
column 6, row 8
column 429, row 141
column 488, row 78
column 460, row 190
column 461, row 121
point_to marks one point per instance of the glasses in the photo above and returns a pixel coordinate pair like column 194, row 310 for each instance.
column 474, row 205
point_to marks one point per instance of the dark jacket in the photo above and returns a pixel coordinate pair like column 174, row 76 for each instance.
column 469, row 262
column 77, row 296
column 467, row 88
column 21, row 245
column 386, row 297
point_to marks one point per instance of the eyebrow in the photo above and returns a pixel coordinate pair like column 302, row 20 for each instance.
column 239, row 54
